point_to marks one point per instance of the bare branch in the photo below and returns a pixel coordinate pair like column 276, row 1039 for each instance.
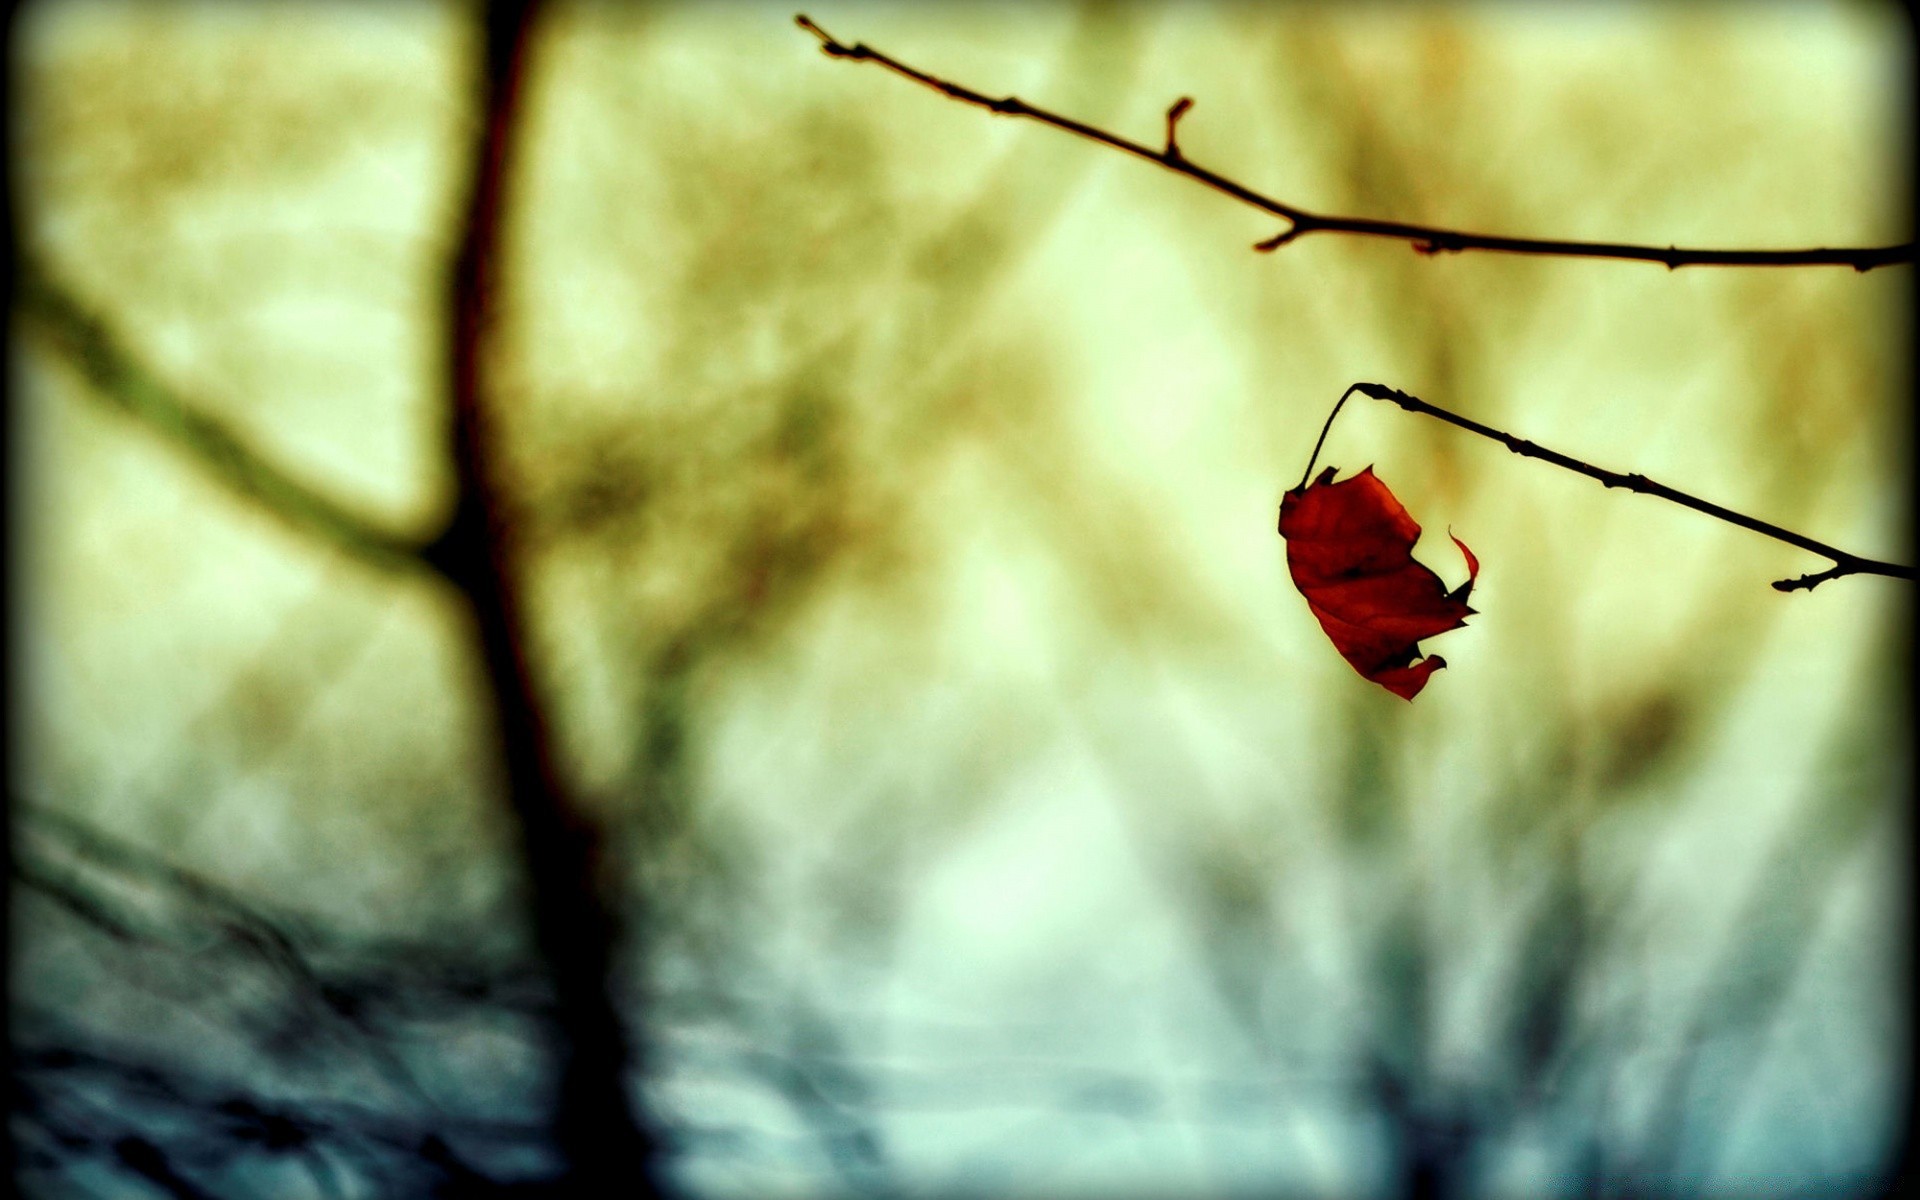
column 1844, row 563
column 1768, row 947
column 1425, row 239
column 120, row 378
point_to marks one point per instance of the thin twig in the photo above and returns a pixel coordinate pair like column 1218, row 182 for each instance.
column 119, row 377
column 1426, row 239
column 1843, row 562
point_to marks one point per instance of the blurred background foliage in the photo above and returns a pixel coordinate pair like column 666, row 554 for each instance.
column 897, row 487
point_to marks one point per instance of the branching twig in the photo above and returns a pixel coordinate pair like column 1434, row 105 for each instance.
column 1843, row 562
column 120, row 378
column 1425, row 239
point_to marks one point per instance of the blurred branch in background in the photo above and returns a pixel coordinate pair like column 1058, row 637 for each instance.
column 339, row 1029
column 313, row 1009
column 1426, row 239
column 1756, row 967
column 599, row 1135
column 602, row 1140
column 121, row 378
column 858, row 596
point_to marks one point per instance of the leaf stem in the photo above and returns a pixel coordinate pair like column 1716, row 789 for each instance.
column 1425, row 239
column 1324, row 431
column 1844, row 563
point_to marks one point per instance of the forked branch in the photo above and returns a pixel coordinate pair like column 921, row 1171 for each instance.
column 1425, row 239
column 1843, row 562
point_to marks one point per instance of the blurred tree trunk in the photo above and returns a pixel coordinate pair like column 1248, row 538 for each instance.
column 574, row 927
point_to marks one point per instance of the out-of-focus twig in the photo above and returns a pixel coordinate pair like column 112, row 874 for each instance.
column 146, row 1160
column 1750, row 979
column 121, row 378
column 1426, row 239
column 573, row 924
column 92, row 1099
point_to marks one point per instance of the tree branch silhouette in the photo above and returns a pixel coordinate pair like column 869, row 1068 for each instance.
column 1844, row 563
column 1425, row 239
column 119, row 377
column 574, row 927
column 574, row 923
column 94, row 1098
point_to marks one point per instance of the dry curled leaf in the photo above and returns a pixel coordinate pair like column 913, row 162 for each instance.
column 1350, row 552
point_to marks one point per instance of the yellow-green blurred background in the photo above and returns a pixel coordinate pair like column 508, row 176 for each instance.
column 898, row 484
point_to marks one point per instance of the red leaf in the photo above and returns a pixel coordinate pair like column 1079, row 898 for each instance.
column 1350, row 551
